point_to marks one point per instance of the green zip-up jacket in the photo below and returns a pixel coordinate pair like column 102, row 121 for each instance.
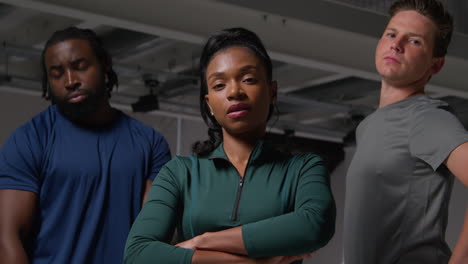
column 283, row 203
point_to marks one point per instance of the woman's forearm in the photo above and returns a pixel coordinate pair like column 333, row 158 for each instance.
column 215, row 257
column 269, row 236
column 228, row 240
column 460, row 252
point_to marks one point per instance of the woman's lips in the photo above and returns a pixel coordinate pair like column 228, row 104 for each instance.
column 238, row 110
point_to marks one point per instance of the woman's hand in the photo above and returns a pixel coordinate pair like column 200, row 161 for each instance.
column 196, row 244
column 190, row 244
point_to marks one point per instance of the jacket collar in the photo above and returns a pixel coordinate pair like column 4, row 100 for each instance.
column 262, row 151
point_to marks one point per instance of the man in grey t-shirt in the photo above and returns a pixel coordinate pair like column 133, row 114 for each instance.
column 401, row 176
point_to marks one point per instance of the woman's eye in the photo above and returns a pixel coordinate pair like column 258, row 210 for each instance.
column 250, row 80
column 218, row 86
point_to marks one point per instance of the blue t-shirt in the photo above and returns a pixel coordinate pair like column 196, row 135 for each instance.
column 89, row 183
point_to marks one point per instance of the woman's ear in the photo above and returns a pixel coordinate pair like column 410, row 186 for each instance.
column 206, row 101
column 274, row 92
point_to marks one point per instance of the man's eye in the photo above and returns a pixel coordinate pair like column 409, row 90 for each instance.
column 82, row 66
column 415, row 42
column 391, row 35
column 55, row 74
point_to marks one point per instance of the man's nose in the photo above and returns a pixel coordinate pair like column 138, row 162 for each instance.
column 397, row 44
column 71, row 82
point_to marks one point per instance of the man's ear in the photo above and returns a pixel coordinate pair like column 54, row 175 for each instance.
column 437, row 64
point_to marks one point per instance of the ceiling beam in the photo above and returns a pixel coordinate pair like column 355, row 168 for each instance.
column 314, row 82
column 292, row 39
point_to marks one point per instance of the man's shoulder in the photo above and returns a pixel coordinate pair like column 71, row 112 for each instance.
column 412, row 108
column 41, row 121
column 142, row 132
column 34, row 134
column 133, row 122
column 426, row 103
column 138, row 126
column 431, row 110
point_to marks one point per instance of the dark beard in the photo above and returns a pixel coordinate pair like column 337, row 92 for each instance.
column 81, row 110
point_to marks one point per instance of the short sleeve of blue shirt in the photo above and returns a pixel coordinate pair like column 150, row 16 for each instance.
column 21, row 159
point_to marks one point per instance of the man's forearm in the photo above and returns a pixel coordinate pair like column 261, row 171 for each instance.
column 16, row 216
column 12, row 251
column 460, row 252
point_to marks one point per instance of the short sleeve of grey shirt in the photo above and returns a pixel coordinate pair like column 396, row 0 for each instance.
column 434, row 134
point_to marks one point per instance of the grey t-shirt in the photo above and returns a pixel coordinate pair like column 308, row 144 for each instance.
column 397, row 187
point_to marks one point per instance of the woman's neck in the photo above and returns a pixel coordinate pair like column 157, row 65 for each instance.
column 239, row 147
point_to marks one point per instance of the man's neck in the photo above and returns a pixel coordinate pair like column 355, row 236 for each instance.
column 103, row 116
column 390, row 94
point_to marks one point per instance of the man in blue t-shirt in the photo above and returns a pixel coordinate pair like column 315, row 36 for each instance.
column 73, row 179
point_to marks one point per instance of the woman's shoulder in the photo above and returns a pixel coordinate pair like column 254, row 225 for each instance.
column 306, row 162
column 178, row 163
column 306, row 157
column 281, row 154
column 177, row 171
column 181, row 166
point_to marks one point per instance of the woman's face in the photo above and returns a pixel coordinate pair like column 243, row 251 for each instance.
column 239, row 92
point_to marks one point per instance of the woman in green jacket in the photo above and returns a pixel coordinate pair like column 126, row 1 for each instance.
column 237, row 200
